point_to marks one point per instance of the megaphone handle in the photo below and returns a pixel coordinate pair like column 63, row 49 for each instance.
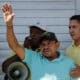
column 6, row 77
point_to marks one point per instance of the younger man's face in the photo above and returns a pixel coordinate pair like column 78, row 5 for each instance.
column 74, row 29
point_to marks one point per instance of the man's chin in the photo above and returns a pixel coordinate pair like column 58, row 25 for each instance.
column 46, row 54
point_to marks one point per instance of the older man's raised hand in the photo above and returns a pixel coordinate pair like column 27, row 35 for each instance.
column 7, row 14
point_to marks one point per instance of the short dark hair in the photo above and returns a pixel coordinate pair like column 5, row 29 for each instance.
column 75, row 17
column 48, row 36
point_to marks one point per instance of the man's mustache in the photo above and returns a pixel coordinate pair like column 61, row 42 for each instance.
column 46, row 49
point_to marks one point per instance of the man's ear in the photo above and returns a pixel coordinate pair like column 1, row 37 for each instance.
column 57, row 44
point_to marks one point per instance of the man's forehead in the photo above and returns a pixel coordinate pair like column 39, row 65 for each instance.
column 75, row 21
column 48, row 40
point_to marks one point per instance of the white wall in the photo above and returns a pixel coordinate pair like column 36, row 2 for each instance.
column 51, row 14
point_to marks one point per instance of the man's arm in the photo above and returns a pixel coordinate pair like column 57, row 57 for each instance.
column 12, row 41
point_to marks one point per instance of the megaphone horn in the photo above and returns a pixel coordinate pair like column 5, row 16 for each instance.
column 18, row 71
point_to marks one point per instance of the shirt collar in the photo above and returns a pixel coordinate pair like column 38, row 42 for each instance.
column 57, row 59
column 73, row 45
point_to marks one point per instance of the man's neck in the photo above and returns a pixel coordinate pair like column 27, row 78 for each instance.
column 56, row 55
column 77, row 42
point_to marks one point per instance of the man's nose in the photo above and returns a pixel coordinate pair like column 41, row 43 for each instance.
column 70, row 30
column 46, row 47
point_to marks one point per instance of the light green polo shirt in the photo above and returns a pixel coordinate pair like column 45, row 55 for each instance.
column 74, row 52
column 43, row 69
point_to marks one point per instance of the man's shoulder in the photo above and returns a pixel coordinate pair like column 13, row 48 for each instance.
column 69, row 47
column 68, row 62
column 69, row 50
column 30, row 52
column 65, row 58
column 68, row 59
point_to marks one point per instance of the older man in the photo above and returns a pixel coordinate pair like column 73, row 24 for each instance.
column 49, row 64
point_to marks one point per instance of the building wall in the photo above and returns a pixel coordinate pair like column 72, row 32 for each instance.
column 53, row 15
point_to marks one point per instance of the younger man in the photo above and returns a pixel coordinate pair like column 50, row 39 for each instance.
column 73, row 51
